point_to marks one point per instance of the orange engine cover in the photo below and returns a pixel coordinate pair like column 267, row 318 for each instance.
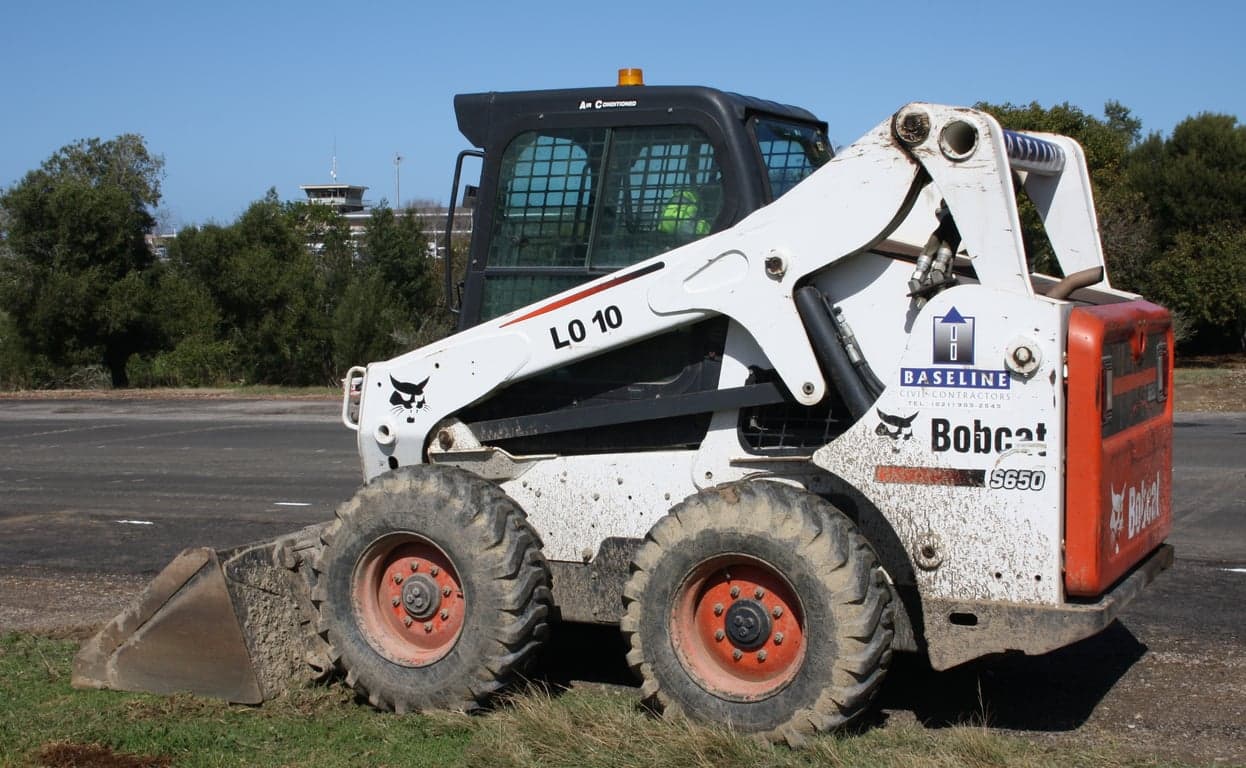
column 1118, row 464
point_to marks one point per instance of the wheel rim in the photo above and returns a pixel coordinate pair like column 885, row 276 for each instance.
column 408, row 599
column 738, row 628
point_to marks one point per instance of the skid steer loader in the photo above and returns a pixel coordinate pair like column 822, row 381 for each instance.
column 775, row 413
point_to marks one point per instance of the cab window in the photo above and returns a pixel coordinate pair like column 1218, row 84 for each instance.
column 791, row 151
column 578, row 203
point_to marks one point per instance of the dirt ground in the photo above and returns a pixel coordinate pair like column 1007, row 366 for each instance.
column 1211, row 384
column 1154, row 685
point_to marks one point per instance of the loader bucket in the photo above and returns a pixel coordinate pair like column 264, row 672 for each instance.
column 235, row 625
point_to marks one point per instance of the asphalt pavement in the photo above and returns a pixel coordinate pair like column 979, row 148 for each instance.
column 126, row 484
column 121, row 486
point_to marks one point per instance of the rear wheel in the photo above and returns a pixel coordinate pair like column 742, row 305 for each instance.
column 761, row 606
column 433, row 592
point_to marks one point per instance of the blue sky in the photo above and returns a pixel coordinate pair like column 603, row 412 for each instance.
column 243, row 96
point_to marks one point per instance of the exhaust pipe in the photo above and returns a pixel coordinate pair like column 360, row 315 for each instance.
column 237, row 625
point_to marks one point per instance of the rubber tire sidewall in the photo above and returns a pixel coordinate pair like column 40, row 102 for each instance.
column 432, row 510
column 834, row 573
column 816, row 669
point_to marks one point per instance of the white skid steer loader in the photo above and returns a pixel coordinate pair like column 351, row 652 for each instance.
column 776, row 414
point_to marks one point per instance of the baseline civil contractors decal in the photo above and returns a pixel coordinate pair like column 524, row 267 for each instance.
column 952, row 354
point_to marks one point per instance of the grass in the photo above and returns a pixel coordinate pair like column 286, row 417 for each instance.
column 45, row 722
column 1219, row 388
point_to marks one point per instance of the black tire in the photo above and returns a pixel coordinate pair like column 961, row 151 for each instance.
column 466, row 539
column 814, row 574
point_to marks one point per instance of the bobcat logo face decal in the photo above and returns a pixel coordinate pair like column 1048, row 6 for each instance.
column 1116, row 523
column 408, row 397
column 897, row 428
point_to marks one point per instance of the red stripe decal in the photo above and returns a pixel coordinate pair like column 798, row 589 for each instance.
column 584, row 294
column 887, row 473
column 1132, row 381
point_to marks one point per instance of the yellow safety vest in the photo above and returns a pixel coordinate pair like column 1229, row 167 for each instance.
column 679, row 215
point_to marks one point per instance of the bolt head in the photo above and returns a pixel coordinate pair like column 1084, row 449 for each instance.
column 428, row 626
column 777, row 612
column 444, row 614
column 396, row 601
column 718, row 609
column 735, row 592
column 778, row 638
column 445, row 591
column 406, row 621
column 737, row 654
column 415, row 565
column 761, row 655
column 719, row 635
column 434, row 570
column 759, row 593
column 397, row 578
column 1022, row 355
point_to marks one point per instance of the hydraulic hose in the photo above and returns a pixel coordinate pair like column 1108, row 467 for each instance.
column 830, row 351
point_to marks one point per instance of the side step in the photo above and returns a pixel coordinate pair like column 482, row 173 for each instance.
column 236, row 625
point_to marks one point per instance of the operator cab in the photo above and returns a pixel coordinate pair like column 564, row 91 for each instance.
column 577, row 183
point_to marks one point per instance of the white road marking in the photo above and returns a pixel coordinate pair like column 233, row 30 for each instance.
column 291, row 504
column 1234, row 570
column 134, row 522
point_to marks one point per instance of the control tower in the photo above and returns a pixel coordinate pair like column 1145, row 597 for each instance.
column 345, row 198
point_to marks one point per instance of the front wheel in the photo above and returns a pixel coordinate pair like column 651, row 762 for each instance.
column 433, row 592
column 761, row 606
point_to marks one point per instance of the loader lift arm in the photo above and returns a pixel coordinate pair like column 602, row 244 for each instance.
column 748, row 273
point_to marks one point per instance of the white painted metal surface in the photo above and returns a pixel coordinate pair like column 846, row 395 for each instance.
column 961, row 454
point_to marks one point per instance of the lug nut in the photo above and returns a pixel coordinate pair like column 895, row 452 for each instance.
column 761, row 655
column 397, row 578
column 718, row 609
column 735, row 592
column 434, row 570
column 406, row 621
column 719, row 635
column 778, row 638
column 415, row 565
column 737, row 654
column 759, row 593
column 396, row 601
column 445, row 591
column 444, row 614
column 777, row 612
column 428, row 626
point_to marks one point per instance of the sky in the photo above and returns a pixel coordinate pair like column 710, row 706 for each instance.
column 239, row 97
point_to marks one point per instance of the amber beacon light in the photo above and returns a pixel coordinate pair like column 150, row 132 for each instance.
column 631, row 76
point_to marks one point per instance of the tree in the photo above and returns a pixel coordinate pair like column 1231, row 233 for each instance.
column 1195, row 179
column 269, row 285
column 77, row 279
column 396, row 248
column 1203, row 277
column 1192, row 186
column 393, row 303
column 1106, row 142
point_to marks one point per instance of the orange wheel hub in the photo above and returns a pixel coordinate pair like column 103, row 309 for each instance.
column 737, row 627
column 409, row 599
